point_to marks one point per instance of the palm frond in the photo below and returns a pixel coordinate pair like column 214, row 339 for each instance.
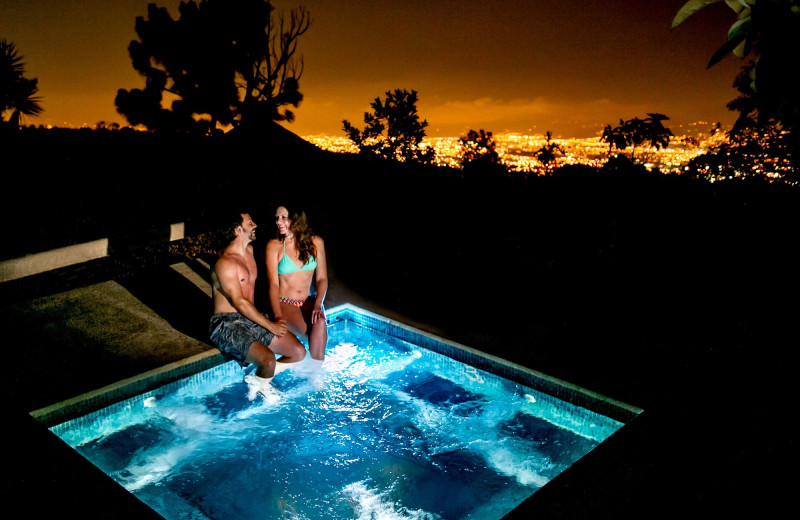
column 688, row 9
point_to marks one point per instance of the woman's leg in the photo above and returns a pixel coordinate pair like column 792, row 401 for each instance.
column 299, row 321
column 289, row 347
column 318, row 332
column 294, row 319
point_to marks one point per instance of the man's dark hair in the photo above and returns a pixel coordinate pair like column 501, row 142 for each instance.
column 233, row 221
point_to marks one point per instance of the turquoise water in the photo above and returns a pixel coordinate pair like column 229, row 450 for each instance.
column 384, row 429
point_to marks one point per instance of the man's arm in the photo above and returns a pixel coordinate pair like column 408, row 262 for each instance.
column 228, row 276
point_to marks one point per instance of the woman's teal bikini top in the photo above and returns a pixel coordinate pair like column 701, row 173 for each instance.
column 286, row 265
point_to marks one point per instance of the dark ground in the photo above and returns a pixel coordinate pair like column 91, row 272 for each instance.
column 676, row 296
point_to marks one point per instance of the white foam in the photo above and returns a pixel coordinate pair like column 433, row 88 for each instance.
column 262, row 386
column 370, row 504
column 189, row 417
column 101, row 425
column 478, row 433
column 340, row 357
column 150, row 468
column 511, row 464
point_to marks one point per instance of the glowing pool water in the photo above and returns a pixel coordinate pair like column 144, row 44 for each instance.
column 385, row 429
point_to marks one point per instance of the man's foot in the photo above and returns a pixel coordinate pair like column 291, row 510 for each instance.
column 261, row 385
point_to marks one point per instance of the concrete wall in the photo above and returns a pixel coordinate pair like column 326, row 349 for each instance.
column 64, row 256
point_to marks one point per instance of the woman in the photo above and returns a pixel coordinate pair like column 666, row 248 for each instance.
column 295, row 262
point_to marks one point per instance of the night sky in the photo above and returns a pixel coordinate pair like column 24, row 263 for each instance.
column 525, row 66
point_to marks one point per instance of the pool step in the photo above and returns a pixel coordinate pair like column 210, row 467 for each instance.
column 201, row 281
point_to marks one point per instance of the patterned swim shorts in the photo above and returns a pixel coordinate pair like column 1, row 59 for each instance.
column 233, row 334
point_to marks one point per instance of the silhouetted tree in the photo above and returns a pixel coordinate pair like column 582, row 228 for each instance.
column 768, row 32
column 17, row 93
column 479, row 157
column 755, row 149
column 614, row 137
column 637, row 132
column 223, row 61
column 753, row 153
column 103, row 125
column 654, row 133
column 398, row 117
column 547, row 154
column 479, row 146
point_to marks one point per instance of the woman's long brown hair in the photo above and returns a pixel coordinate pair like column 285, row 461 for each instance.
column 303, row 236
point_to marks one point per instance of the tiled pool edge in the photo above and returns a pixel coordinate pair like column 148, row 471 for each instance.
column 102, row 397
column 563, row 390
column 125, row 389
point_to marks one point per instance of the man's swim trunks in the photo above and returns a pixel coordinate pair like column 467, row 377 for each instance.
column 233, row 334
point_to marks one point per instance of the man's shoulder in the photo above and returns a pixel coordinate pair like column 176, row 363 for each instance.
column 228, row 260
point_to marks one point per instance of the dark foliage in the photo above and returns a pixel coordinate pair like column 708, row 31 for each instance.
column 18, row 94
column 396, row 116
column 225, row 62
column 649, row 131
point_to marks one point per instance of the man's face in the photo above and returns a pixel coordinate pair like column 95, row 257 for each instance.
column 248, row 226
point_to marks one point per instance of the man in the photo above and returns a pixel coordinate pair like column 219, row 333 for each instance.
column 237, row 328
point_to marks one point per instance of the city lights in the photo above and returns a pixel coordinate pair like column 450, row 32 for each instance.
column 518, row 152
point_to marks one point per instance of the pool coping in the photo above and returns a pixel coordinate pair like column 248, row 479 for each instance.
column 105, row 396
column 126, row 388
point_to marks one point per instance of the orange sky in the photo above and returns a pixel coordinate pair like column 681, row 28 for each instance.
column 526, row 66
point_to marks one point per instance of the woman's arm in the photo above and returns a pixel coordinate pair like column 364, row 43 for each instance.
column 320, row 279
column 273, row 246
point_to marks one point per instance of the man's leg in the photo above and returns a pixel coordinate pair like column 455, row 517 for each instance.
column 263, row 358
column 287, row 346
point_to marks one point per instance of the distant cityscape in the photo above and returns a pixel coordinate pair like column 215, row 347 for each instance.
column 518, row 152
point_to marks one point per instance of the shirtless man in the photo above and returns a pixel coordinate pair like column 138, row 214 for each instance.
column 237, row 328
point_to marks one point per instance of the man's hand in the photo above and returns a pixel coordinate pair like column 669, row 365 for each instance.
column 278, row 327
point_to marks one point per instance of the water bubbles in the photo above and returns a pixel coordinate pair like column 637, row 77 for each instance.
column 371, row 504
